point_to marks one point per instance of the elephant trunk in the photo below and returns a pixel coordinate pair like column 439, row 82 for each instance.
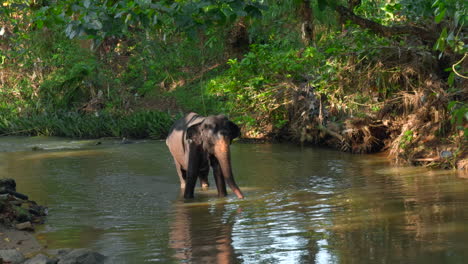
column 223, row 156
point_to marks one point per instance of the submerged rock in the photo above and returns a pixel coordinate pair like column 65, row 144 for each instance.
column 41, row 259
column 11, row 256
column 82, row 256
column 59, row 252
column 36, row 148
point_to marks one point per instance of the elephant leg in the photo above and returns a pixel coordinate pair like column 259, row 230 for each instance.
column 192, row 172
column 203, row 175
column 219, row 179
column 182, row 174
column 204, row 178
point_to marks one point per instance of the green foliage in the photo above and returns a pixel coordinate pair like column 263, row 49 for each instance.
column 68, row 87
column 155, row 63
column 100, row 19
column 454, row 13
column 258, row 89
column 406, row 139
column 459, row 113
column 50, row 73
column 253, row 88
column 166, row 50
column 142, row 124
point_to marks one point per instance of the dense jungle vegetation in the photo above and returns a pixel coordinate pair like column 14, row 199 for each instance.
column 359, row 75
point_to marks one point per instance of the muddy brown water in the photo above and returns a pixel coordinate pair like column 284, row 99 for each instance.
column 303, row 205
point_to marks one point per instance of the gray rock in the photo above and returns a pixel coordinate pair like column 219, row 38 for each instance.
column 446, row 154
column 12, row 256
column 82, row 256
column 8, row 184
column 25, row 226
column 41, row 259
column 59, row 252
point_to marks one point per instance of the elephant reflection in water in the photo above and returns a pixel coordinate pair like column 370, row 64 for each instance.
column 202, row 234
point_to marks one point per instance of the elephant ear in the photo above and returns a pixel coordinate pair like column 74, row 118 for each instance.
column 234, row 129
column 193, row 132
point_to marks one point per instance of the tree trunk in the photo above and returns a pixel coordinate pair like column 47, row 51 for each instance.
column 307, row 25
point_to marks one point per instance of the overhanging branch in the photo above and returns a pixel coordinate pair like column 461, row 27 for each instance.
column 385, row 31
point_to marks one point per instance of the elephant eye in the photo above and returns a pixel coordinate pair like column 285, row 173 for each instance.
column 208, row 126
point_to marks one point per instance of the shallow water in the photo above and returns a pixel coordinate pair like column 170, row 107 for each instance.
column 303, row 205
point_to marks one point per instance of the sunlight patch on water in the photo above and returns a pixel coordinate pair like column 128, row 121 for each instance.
column 61, row 154
column 323, row 256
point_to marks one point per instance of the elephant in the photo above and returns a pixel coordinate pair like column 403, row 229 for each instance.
column 198, row 142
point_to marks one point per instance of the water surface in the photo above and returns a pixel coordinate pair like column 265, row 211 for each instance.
column 303, row 205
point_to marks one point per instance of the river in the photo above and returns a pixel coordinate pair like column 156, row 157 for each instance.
column 302, row 205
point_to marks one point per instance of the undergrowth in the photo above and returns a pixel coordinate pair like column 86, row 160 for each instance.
column 261, row 89
column 141, row 124
column 354, row 91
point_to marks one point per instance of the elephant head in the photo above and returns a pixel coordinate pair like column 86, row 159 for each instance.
column 213, row 135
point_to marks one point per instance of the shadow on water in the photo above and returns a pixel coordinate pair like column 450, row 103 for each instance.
column 303, row 205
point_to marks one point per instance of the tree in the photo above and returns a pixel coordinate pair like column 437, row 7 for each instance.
column 307, row 25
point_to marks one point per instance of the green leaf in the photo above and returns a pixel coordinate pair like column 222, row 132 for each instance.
column 39, row 24
column 86, row 3
column 440, row 43
column 451, row 36
column 457, row 17
column 119, row 14
column 129, row 16
column 440, row 16
column 322, row 4
column 451, row 104
column 95, row 24
column 253, row 11
column 451, row 79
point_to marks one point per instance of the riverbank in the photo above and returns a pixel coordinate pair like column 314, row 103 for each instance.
column 18, row 218
column 420, row 135
column 22, row 241
column 143, row 123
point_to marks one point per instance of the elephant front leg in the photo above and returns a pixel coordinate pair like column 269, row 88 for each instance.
column 182, row 174
column 192, row 172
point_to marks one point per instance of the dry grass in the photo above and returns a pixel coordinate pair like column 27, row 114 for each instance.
column 412, row 122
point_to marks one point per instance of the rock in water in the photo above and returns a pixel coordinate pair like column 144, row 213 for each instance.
column 11, row 256
column 41, row 259
column 61, row 252
column 8, row 184
column 82, row 256
column 25, row 226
